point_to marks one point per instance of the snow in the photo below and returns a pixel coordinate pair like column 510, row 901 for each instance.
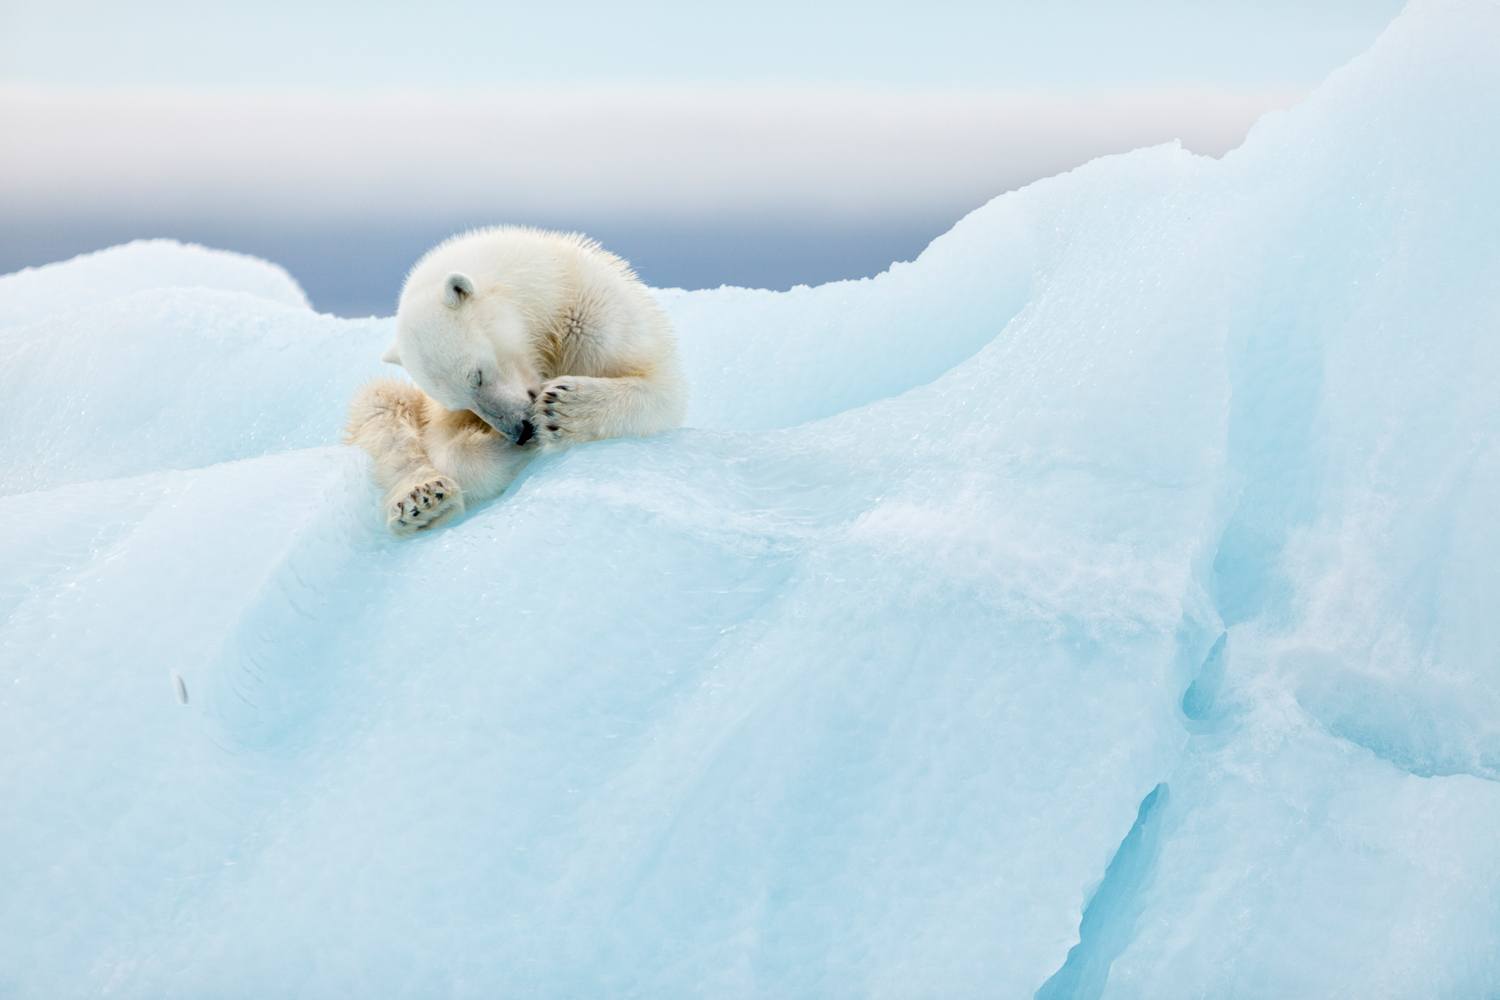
column 1099, row 605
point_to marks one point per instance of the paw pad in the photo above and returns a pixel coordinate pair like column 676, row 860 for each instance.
column 425, row 505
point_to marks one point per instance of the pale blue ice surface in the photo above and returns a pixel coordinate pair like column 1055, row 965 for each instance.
column 1103, row 604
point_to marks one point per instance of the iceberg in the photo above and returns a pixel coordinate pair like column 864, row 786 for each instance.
column 1100, row 605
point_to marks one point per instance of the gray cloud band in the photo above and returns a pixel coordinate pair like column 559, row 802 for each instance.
column 825, row 152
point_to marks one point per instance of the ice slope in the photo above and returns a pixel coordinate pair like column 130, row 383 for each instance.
column 1100, row 605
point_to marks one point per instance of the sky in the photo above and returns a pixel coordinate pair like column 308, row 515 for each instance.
column 767, row 144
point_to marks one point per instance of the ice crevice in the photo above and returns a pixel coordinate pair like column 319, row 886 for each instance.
column 1111, row 912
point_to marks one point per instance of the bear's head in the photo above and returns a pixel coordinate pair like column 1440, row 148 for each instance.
column 469, row 351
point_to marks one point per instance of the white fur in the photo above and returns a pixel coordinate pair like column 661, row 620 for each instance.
column 502, row 326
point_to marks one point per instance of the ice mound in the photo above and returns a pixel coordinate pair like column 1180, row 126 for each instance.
column 157, row 355
column 1100, row 605
column 145, row 265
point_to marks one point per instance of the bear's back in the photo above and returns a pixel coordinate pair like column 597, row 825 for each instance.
column 529, row 263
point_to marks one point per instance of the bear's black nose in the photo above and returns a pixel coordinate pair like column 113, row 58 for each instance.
column 527, row 430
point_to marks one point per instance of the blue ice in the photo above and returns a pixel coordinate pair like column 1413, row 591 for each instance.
column 1102, row 604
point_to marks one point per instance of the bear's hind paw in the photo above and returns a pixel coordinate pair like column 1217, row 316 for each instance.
column 424, row 505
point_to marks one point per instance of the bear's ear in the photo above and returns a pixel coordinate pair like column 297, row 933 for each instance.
column 457, row 289
column 390, row 356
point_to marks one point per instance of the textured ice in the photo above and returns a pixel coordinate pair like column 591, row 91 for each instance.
column 157, row 356
column 1102, row 604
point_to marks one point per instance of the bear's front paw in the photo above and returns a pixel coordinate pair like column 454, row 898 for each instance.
column 423, row 505
column 565, row 412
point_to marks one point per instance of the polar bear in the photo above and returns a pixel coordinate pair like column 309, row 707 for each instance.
column 519, row 340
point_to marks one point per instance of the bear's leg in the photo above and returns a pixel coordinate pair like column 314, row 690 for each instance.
column 465, row 448
column 576, row 408
column 386, row 419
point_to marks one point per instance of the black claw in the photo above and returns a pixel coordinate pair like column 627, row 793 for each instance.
column 439, row 494
column 550, row 413
column 551, row 397
column 552, row 427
